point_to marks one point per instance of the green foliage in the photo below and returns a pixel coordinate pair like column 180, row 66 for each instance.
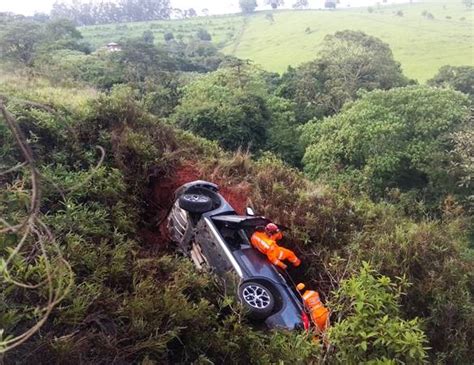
column 372, row 329
column 283, row 133
column 99, row 70
column 248, row 6
column 19, row 42
column 133, row 301
column 275, row 48
column 203, row 35
column 434, row 257
column 390, row 139
column 168, row 36
column 348, row 62
column 23, row 40
column 459, row 78
column 235, row 107
column 462, row 153
column 226, row 106
column 83, row 13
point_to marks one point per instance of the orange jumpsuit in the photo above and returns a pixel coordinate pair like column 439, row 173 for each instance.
column 276, row 254
column 319, row 313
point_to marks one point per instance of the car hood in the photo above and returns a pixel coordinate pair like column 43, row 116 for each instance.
column 256, row 266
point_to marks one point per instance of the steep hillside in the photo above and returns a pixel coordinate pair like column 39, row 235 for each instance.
column 132, row 300
column 422, row 43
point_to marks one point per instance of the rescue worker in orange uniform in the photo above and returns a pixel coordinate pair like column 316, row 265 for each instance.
column 266, row 243
column 319, row 313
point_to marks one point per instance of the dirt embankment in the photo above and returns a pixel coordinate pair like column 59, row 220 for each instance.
column 161, row 196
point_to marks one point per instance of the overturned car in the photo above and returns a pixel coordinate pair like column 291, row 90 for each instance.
column 209, row 231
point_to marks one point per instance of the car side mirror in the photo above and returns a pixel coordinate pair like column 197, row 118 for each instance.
column 249, row 211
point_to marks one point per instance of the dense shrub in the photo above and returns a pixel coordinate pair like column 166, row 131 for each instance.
column 348, row 62
column 134, row 301
column 235, row 107
column 372, row 329
column 391, row 139
column 460, row 78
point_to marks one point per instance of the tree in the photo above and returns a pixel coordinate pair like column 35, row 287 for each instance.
column 62, row 29
column 301, row 4
column 87, row 13
column 459, row 78
column 191, row 13
column 275, row 3
column 330, row 4
column 203, row 35
column 168, row 36
column 463, row 156
column 248, row 6
column 396, row 139
column 348, row 62
column 148, row 37
column 140, row 60
column 227, row 106
column 20, row 40
column 283, row 131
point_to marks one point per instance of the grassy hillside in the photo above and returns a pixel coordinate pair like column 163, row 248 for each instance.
column 422, row 45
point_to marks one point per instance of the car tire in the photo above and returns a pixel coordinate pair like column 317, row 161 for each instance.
column 257, row 298
column 195, row 203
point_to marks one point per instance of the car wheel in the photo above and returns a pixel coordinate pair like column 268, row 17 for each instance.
column 195, row 203
column 257, row 298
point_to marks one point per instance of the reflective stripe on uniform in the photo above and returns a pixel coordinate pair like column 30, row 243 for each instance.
column 311, row 299
column 262, row 242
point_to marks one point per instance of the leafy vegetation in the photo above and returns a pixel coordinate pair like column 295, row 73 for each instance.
column 421, row 45
column 375, row 337
column 91, row 151
column 88, row 13
column 398, row 139
column 348, row 62
column 459, row 78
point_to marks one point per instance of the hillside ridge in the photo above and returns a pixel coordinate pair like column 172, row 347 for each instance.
column 421, row 43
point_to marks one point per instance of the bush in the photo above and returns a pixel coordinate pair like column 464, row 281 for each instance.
column 203, row 35
column 391, row 139
column 460, row 78
column 236, row 118
column 168, row 36
column 372, row 329
column 349, row 61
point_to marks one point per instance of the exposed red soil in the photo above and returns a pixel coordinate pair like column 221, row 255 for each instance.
column 162, row 191
column 236, row 195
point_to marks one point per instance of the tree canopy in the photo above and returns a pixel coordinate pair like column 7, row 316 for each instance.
column 349, row 61
column 459, row 78
column 23, row 40
column 395, row 139
column 227, row 106
column 88, row 13
column 248, row 6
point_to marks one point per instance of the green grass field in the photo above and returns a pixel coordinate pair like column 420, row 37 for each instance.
column 421, row 45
